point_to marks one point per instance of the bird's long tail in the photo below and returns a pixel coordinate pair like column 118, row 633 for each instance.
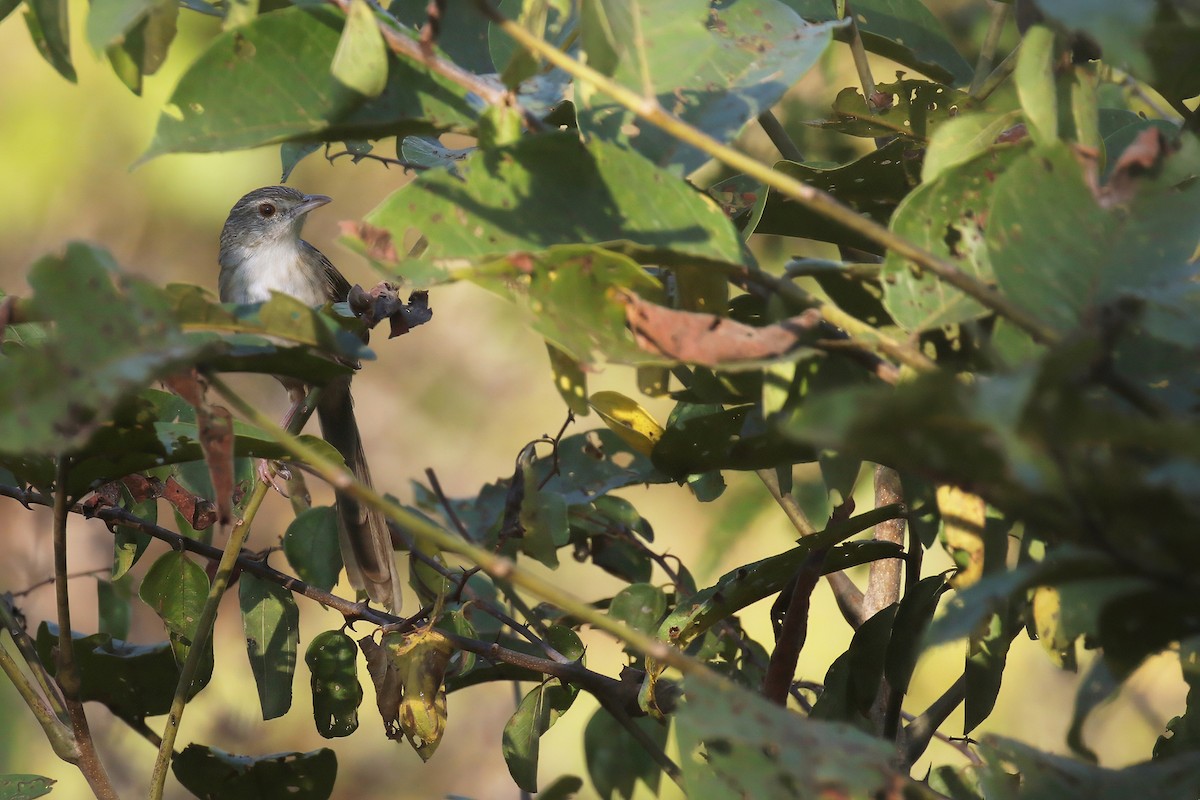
column 365, row 542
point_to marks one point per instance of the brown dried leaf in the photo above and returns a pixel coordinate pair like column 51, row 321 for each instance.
column 214, row 426
column 710, row 340
column 389, row 689
column 200, row 512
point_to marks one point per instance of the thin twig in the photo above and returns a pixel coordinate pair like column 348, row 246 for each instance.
column 650, row 746
column 87, row 573
column 987, row 51
column 861, row 65
column 779, row 137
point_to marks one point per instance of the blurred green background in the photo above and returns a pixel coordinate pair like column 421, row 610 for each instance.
column 461, row 396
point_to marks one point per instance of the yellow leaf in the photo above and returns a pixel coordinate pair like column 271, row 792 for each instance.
column 628, row 420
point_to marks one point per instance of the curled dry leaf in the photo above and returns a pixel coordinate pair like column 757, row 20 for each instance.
column 383, row 302
column 709, row 340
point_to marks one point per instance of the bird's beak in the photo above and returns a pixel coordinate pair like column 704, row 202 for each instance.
column 310, row 202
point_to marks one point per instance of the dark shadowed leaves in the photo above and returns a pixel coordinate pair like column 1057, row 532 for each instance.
column 209, row 772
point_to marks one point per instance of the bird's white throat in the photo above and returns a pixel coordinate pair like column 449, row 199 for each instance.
column 277, row 266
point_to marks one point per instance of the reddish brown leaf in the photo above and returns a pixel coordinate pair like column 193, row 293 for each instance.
column 710, row 340
column 383, row 302
column 378, row 241
column 198, row 511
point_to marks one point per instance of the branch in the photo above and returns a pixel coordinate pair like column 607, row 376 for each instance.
column 790, row 641
column 497, row 566
column 67, row 674
column 779, row 137
column 923, row 728
column 49, row 710
column 814, row 199
column 404, row 45
column 861, row 65
column 594, row 683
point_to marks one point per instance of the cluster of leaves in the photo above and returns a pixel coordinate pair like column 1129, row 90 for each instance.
column 1009, row 324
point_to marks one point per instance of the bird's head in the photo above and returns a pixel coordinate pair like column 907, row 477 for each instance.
column 268, row 216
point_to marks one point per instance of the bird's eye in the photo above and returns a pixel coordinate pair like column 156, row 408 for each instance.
column 266, row 210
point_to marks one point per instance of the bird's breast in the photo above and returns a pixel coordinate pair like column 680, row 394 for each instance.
column 270, row 267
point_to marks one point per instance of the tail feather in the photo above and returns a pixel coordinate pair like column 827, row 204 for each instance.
column 365, row 541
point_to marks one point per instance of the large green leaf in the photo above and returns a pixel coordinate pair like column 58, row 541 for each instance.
column 616, row 762
column 902, row 30
column 271, row 622
column 736, row 744
column 576, row 296
column 947, row 216
column 521, row 743
column 552, row 189
column 1060, row 255
column 716, row 67
column 270, row 81
column 112, row 337
column 1052, row 777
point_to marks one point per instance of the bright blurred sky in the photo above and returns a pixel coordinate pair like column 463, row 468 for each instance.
column 461, row 395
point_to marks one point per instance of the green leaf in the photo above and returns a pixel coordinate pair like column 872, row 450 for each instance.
column 914, row 109
column 733, row 743
column 544, row 518
column 963, row 138
column 464, row 31
column 129, row 543
column 7, row 6
column 716, row 69
column 132, row 681
column 1051, row 777
column 640, row 606
column 209, row 772
column 113, row 609
column 615, row 760
column 50, row 30
column 14, row 786
column 854, row 678
column 552, row 189
column 1043, row 213
column 175, row 587
column 361, row 59
column 337, row 694
column 872, row 185
column 537, row 712
column 948, row 217
column 1122, row 28
column 1034, row 77
column 230, row 98
column 574, row 294
column 311, row 546
column 570, row 380
column 109, row 21
column 113, row 336
column 908, row 630
column 902, row 30
column 271, row 622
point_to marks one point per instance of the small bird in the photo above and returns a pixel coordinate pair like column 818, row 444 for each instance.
column 261, row 253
